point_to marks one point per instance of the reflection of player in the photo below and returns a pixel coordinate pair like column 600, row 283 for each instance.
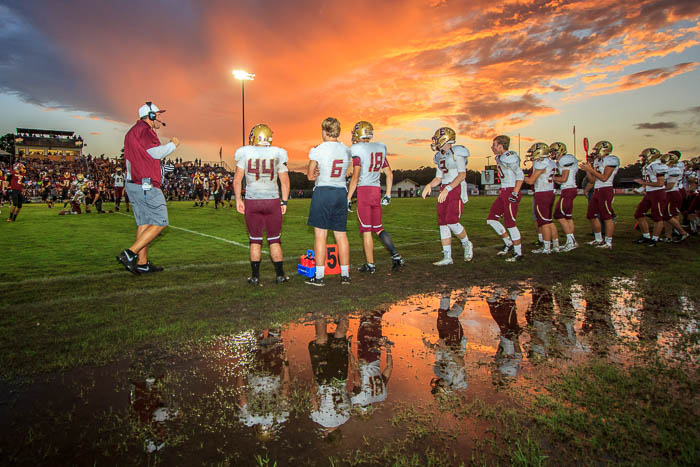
column 509, row 354
column 597, row 322
column 373, row 381
column 330, row 361
column 261, row 165
column 601, row 172
column 540, row 318
column 506, row 205
column 369, row 161
column 449, row 367
column 264, row 390
column 148, row 403
column 450, row 175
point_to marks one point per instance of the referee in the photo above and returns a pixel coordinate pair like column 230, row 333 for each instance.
column 143, row 152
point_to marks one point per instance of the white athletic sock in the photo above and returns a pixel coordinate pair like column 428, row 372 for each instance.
column 598, row 236
column 645, row 235
column 345, row 270
column 320, row 272
column 539, row 237
column 547, row 245
column 447, row 251
column 555, row 243
column 518, row 249
column 655, row 238
column 464, row 240
column 608, row 240
column 507, row 241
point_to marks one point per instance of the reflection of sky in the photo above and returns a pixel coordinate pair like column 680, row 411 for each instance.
column 532, row 68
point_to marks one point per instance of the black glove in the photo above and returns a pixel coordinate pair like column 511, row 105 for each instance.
column 514, row 197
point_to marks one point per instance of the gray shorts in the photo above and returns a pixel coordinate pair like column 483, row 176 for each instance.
column 148, row 206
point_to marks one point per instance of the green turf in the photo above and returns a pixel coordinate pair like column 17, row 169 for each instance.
column 65, row 301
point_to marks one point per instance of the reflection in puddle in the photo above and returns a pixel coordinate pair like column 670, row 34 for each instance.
column 285, row 389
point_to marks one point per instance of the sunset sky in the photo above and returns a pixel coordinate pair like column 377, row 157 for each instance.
column 622, row 71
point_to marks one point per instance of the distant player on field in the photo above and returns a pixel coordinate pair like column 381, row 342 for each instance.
column 600, row 208
column 328, row 164
column 542, row 181
column 118, row 178
column 261, row 165
column 451, row 161
column 567, row 168
column 369, row 161
column 16, row 179
column 506, row 205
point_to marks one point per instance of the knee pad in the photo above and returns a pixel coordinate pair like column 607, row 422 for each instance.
column 456, row 228
column 444, row 232
column 514, row 233
column 497, row 226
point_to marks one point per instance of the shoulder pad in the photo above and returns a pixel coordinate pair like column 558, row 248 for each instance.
column 436, row 157
column 460, row 151
column 611, row 161
column 510, row 156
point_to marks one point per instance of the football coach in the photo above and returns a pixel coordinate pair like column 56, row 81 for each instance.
column 143, row 153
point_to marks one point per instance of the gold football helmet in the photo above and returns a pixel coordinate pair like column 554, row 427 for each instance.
column 669, row 159
column 556, row 150
column 602, row 149
column 537, row 151
column 260, row 135
column 362, row 131
column 649, row 155
column 442, row 137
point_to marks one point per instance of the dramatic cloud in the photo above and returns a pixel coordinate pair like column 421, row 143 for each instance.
column 657, row 126
column 484, row 67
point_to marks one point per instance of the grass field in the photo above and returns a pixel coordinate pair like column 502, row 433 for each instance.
column 63, row 291
column 76, row 330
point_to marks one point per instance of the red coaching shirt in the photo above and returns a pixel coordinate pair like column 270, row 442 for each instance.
column 137, row 142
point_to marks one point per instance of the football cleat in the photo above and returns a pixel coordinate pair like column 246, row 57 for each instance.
column 468, row 252
column 506, row 250
column 370, row 268
column 282, row 279
column 556, row 249
column 345, row 280
column 129, row 260
column 514, row 258
column 643, row 240
column 682, row 239
column 443, row 262
column 254, row 281
column 595, row 243
column 542, row 251
column 315, row 281
column 398, row 262
column 652, row 243
column 604, row 246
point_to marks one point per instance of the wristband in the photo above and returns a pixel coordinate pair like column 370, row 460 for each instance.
column 283, row 203
column 448, row 188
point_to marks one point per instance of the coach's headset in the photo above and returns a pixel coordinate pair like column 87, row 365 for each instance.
column 153, row 116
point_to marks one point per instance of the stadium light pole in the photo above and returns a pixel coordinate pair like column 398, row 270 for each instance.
column 243, row 76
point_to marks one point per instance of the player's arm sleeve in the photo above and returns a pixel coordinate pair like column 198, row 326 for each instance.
column 240, row 158
column 461, row 164
column 162, row 151
column 438, row 173
column 313, row 154
column 356, row 161
column 282, row 160
column 518, row 171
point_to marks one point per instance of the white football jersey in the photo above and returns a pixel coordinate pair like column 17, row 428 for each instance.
column 509, row 170
column 449, row 166
column 544, row 182
column 372, row 158
column 373, row 388
column 652, row 172
column 600, row 164
column 675, row 176
column 261, row 165
column 333, row 405
column 333, row 159
column 570, row 163
column 118, row 179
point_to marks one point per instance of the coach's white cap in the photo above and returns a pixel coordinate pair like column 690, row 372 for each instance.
column 144, row 109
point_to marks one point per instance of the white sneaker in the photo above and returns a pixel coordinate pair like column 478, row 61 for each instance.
column 468, row 252
column 443, row 262
column 507, row 249
column 604, row 246
column 542, row 251
column 595, row 243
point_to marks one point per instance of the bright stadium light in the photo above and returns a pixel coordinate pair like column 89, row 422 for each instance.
column 243, row 76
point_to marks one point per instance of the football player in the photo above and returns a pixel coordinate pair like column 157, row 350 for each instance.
column 66, row 182
column 328, row 164
column 262, row 164
column 541, row 179
column 674, row 198
column 16, row 179
column 450, row 175
column 654, row 183
column 369, row 161
column 46, row 189
column 566, row 178
column 198, row 182
column 118, row 178
column 691, row 179
column 506, row 205
column 228, row 187
column 206, row 182
column 600, row 208
column 218, row 190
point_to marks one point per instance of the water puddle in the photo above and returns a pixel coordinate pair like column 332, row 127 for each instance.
column 341, row 387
